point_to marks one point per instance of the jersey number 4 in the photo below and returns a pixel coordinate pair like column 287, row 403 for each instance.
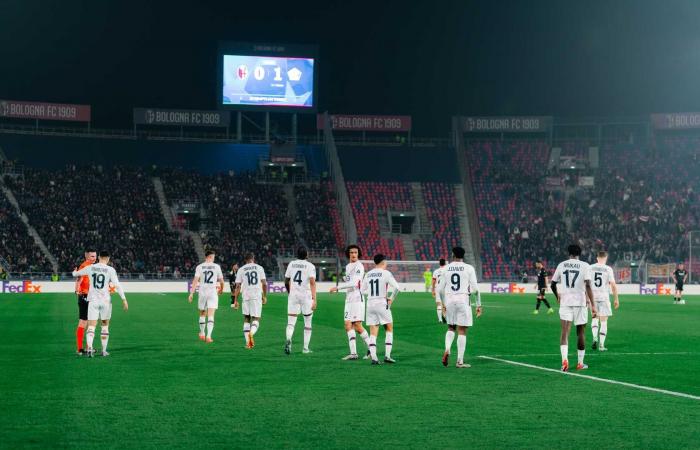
column 297, row 277
column 574, row 276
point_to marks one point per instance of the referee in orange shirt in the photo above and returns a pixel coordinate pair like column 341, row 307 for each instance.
column 82, row 285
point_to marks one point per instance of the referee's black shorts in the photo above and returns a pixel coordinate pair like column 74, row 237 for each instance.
column 82, row 306
column 679, row 287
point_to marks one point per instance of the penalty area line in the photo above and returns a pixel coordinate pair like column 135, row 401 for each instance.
column 589, row 377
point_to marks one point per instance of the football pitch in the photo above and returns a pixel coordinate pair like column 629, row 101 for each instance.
column 162, row 387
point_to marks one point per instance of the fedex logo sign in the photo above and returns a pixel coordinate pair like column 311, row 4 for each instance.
column 20, row 287
column 654, row 289
column 510, row 288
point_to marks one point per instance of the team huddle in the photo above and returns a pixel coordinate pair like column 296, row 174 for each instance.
column 369, row 296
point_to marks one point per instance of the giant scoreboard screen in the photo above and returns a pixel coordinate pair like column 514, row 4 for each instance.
column 267, row 77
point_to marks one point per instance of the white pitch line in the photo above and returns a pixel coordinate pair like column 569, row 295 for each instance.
column 589, row 377
column 615, row 353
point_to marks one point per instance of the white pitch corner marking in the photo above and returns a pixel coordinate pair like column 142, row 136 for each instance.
column 589, row 377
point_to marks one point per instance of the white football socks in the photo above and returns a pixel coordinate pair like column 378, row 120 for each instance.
column 104, row 336
column 291, row 322
column 564, row 348
column 461, row 347
column 90, row 336
column 594, row 328
column 307, row 331
column 202, row 324
column 581, row 354
column 254, row 327
column 388, row 342
column 352, row 342
column 246, row 331
column 439, row 312
column 373, row 347
column 210, row 326
column 449, row 339
column 603, row 333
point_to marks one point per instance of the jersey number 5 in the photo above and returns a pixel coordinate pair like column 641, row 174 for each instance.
column 598, row 279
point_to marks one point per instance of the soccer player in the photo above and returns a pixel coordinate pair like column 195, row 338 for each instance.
column 300, row 281
column 232, row 281
column 542, row 276
column 210, row 281
column 603, row 279
column 680, row 276
column 250, row 280
column 82, row 286
column 457, row 283
column 354, row 304
column 376, row 286
column 99, row 301
column 437, row 295
column 574, row 298
column 428, row 277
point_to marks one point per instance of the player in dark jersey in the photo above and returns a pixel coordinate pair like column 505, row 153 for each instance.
column 82, row 285
column 542, row 277
column 232, row 282
column 680, row 276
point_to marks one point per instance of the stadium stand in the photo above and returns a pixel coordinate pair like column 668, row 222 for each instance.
column 247, row 216
column 519, row 220
column 441, row 207
column 314, row 204
column 17, row 247
column 108, row 208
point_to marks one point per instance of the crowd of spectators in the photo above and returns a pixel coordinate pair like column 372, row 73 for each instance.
column 113, row 209
column 246, row 216
column 17, row 247
column 315, row 215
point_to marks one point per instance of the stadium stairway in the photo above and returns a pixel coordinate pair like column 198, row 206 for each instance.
column 292, row 208
column 30, row 229
column 169, row 219
column 423, row 222
column 464, row 229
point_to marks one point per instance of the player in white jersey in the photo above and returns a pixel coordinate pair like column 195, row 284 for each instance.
column 574, row 297
column 99, row 302
column 457, row 283
column 300, row 281
column 354, row 304
column 250, row 280
column 376, row 286
column 437, row 295
column 210, row 281
column 603, row 281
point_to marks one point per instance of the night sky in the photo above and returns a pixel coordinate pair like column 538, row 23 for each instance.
column 427, row 59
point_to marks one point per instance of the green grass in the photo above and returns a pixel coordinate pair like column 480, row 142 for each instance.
column 163, row 388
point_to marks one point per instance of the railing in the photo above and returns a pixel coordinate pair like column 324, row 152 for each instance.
column 347, row 219
column 209, row 136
